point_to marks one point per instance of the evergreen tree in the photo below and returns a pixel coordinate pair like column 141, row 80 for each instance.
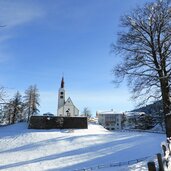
column 15, row 108
column 144, row 122
column 7, row 109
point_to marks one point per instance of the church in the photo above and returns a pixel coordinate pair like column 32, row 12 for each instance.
column 67, row 115
column 65, row 108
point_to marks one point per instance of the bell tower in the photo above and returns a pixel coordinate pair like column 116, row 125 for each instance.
column 61, row 94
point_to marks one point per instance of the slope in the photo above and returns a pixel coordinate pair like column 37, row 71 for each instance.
column 64, row 150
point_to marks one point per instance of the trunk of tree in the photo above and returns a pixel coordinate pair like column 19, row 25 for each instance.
column 28, row 118
column 9, row 118
column 14, row 116
column 166, row 105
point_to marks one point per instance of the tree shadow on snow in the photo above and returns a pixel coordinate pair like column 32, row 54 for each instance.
column 106, row 151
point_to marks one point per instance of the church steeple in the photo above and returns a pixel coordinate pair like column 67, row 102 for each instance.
column 62, row 82
column 61, row 95
column 65, row 108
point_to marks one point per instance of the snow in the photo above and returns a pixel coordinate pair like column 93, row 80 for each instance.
column 158, row 128
column 109, row 112
column 64, row 150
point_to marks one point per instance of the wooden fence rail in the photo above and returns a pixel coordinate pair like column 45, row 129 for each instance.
column 139, row 130
column 114, row 164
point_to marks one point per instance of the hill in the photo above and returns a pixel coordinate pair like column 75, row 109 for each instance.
column 65, row 150
column 152, row 109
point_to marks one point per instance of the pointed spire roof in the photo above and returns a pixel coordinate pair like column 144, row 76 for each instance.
column 62, row 82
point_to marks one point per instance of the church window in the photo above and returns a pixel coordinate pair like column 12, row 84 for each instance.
column 62, row 93
column 61, row 97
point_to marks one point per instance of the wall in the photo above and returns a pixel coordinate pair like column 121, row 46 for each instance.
column 46, row 122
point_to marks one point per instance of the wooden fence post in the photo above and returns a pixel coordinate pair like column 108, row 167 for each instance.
column 160, row 161
column 164, row 149
column 151, row 166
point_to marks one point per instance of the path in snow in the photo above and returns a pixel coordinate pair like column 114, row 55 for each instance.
column 64, row 150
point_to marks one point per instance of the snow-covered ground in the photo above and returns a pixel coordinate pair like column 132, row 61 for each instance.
column 23, row 149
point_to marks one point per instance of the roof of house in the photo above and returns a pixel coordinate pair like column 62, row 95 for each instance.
column 111, row 112
column 133, row 114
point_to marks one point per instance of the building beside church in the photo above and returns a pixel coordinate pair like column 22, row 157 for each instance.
column 110, row 120
column 65, row 108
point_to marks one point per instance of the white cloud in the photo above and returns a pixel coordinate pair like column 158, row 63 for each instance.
column 14, row 13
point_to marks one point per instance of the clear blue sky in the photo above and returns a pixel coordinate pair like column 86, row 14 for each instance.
column 45, row 38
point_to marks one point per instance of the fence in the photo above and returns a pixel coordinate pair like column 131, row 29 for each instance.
column 114, row 164
column 164, row 163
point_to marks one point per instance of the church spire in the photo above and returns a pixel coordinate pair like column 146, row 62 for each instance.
column 62, row 82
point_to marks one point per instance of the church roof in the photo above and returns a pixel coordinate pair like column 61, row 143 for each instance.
column 111, row 112
column 62, row 82
column 69, row 101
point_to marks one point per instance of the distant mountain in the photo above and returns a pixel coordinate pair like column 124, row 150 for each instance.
column 151, row 109
column 155, row 111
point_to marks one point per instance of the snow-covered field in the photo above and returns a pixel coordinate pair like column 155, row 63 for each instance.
column 23, row 149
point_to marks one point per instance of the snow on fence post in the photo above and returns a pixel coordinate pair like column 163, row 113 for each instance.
column 166, row 151
column 168, row 144
column 160, row 162
column 151, row 166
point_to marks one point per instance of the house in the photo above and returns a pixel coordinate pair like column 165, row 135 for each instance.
column 65, row 108
column 132, row 119
column 110, row 120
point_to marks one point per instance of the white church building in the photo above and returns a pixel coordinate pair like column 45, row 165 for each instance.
column 65, row 108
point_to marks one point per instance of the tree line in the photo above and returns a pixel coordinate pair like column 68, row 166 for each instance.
column 19, row 108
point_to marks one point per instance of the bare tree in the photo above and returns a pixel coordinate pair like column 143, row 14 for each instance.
column 2, row 94
column 31, row 99
column 87, row 112
column 145, row 45
column 7, row 110
column 2, row 102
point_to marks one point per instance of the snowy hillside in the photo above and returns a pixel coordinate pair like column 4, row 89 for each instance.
column 22, row 149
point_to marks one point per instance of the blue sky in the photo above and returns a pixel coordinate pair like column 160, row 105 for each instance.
column 44, row 39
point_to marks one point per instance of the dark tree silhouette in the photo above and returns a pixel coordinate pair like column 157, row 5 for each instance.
column 16, row 106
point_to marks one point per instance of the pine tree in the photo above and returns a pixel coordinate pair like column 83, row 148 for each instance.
column 8, row 110
column 16, row 107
